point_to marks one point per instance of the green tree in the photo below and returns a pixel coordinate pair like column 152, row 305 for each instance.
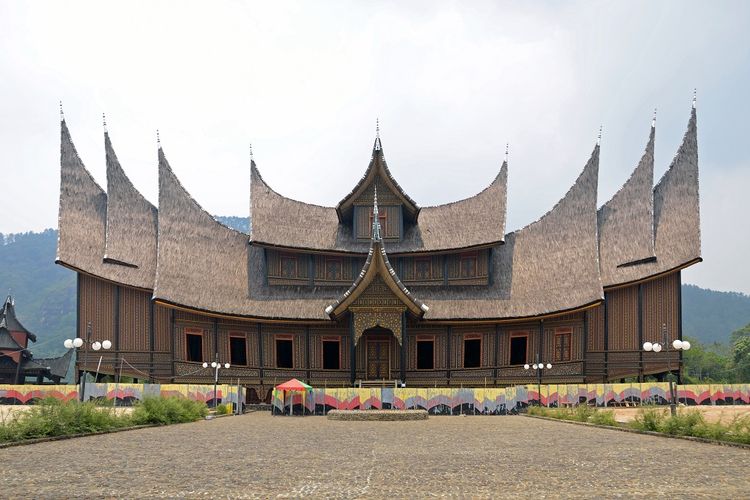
column 707, row 363
column 742, row 358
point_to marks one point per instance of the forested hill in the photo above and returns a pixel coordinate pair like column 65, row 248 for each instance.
column 45, row 294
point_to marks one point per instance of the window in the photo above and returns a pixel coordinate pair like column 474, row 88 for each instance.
column 562, row 344
column 425, row 354
column 284, row 357
column 472, row 352
column 331, row 354
column 333, row 269
column 468, row 263
column 238, row 350
column 518, row 349
column 194, row 343
column 383, row 223
column 422, row 268
column 288, row 266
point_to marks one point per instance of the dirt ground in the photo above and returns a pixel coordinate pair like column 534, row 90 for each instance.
column 710, row 413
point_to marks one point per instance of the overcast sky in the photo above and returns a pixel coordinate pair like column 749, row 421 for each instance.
column 451, row 82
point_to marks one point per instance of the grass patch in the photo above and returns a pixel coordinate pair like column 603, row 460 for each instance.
column 225, row 409
column 580, row 413
column 692, row 423
column 51, row 417
column 165, row 411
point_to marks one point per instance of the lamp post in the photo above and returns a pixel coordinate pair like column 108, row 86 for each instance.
column 216, row 365
column 77, row 343
column 677, row 345
column 538, row 366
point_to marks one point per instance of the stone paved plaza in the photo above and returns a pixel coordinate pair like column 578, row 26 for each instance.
column 257, row 455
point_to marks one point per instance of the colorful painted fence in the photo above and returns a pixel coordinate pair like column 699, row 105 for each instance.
column 453, row 401
column 124, row 393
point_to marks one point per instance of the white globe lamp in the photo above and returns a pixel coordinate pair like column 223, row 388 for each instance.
column 107, row 344
column 77, row 342
column 68, row 343
column 648, row 346
column 96, row 345
column 549, row 366
column 657, row 347
column 685, row 345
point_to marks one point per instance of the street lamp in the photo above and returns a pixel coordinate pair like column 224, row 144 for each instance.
column 216, row 365
column 538, row 367
column 677, row 345
column 77, row 343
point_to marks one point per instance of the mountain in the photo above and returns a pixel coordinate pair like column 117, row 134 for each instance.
column 711, row 316
column 45, row 294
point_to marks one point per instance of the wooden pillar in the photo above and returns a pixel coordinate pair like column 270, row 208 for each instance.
column 679, row 323
column 585, row 347
column 174, row 339
column 448, row 353
column 307, row 352
column 403, row 347
column 640, row 332
column 78, row 322
column 352, row 351
column 216, row 338
column 116, row 326
column 260, row 353
column 540, row 349
column 151, row 341
column 497, row 350
column 606, row 339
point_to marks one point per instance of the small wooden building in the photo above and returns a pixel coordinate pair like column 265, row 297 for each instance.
column 17, row 362
column 427, row 296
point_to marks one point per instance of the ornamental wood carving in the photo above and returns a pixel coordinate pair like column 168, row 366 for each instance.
column 385, row 318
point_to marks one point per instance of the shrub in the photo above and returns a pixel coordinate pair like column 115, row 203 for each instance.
column 225, row 409
column 683, row 424
column 158, row 410
column 604, row 417
column 582, row 413
column 649, row 419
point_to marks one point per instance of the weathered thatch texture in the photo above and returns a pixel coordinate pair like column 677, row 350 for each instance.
column 550, row 265
column 204, row 265
column 280, row 221
column 676, row 206
column 474, row 221
column 9, row 320
column 676, row 220
column 130, row 251
column 83, row 213
column 626, row 224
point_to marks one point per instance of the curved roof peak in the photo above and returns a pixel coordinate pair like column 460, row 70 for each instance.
column 377, row 168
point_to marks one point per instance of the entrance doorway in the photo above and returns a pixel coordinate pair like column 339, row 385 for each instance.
column 378, row 357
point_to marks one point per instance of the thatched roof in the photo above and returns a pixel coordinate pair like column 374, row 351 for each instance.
column 626, row 223
column 204, row 265
column 281, row 221
column 548, row 266
column 130, row 247
column 676, row 220
column 82, row 216
column 9, row 320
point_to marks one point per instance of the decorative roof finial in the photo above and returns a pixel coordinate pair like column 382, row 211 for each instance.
column 251, row 154
column 506, row 151
column 377, row 134
column 104, row 122
column 695, row 96
column 158, row 139
column 62, row 115
column 653, row 121
column 599, row 138
column 375, row 217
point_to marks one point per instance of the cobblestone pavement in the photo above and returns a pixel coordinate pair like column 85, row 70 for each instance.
column 259, row 456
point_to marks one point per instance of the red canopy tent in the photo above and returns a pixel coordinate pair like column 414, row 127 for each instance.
column 292, row 387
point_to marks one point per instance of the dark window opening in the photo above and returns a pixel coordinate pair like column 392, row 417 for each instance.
column 422, row 269
column 468, row 266
column 284, row 354
column 288, row 267
column 562, row 347
column 425, row 354
column 238, row 350
column 472, row 353
column 518, row 350
column 333, row 269
column 383, row 219
column 194, row 347
column 331, row 357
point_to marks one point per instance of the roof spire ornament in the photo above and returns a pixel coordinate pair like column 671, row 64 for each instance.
column 506, row 151
column 695, row 96
column 599, row 138
column 653, row 121
column 251, row 154
column 375, row 216
column 377, row 134
column 62, row 115
column 104, row 122
column 158, row 139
